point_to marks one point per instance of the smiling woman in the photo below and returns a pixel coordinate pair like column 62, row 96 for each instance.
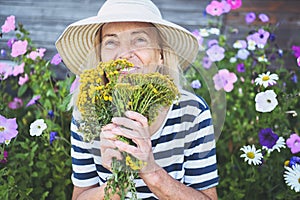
column 177, row 147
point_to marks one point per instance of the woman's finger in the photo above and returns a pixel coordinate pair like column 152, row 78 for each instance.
column 137, row 117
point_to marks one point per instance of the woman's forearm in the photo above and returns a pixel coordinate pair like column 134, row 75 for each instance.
column 166, row 187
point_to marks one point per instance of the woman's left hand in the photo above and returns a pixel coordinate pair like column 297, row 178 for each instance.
column 135, row 126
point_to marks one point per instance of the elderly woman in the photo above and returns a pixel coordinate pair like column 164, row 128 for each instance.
column 179, row 146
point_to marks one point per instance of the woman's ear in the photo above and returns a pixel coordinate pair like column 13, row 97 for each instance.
column 161, row 57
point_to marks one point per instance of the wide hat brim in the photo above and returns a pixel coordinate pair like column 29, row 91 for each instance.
column 78, row 40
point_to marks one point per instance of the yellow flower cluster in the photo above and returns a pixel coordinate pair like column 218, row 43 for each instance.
column 134, row 164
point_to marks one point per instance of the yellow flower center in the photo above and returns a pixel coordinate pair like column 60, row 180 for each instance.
column 250, row 155
column 298, row 180
column 266, row 78
column 2, row 128
column 286, row 163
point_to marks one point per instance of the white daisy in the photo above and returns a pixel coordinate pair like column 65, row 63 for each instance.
column 266, row 79
column 37, row 127
column 251, row 155
column 266, row 101
column 280, row 143
column 292, row 177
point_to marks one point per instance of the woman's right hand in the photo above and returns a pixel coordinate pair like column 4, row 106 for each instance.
column 107, row 146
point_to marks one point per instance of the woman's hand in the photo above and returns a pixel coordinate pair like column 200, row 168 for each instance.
column 107, row 146
column 135, row 126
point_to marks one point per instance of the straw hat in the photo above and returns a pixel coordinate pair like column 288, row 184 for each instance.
column 77, row 40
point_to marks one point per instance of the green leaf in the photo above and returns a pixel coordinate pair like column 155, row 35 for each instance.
column 22, row 90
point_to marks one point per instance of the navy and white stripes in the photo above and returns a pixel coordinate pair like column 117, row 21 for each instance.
column 184, row 146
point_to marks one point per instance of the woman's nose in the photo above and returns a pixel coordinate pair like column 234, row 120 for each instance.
column 125, row 52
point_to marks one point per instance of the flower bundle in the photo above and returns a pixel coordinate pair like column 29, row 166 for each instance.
column 105, row 93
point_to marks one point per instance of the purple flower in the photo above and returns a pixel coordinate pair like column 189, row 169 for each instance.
column 224, row 80
column 226, row 6
column 15, row 104
column 206, row 62
column 216, row 53
column 250, row 17
column 211, row 43
column 243, row 54
column 294, row 160
column 51, row 114
column 293, row 142
column 196, row 84
column 298, row 61
column 267, row 137
column 272, row 37
column 5, row 156
column 10, row 42
column 75, row 84
column 260, row 37
column 8, row 128
column 263, row 17
column 295, row 78
column 5, row 71
column 196, row 33
column 52, row 136
column 240, row 67
column 296, row 51
column 33, row 100
column 56, row 59
column 3, row 53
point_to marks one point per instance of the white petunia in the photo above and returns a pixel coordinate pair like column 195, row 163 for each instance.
column 266, row 101
column 251, row 45
column 262, row 58
column 266, row 79
column 215, row 31
column 37, row 127
column 292, row 177
column 251, row 155
column 203, row 32
column 280, row 143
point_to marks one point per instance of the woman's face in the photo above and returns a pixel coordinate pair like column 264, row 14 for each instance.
column 136, row 42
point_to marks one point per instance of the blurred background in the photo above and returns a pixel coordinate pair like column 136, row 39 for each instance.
column 46, row 20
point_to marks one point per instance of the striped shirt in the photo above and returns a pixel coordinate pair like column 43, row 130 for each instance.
column 184, row 146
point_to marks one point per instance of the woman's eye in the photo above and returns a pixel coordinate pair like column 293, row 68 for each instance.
column 110, row 44
column 140, row 42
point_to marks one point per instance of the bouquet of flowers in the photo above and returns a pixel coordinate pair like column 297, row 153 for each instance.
column 104, row 93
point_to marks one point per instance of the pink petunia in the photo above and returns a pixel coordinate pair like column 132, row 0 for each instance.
column 215, row 8
column 235, row 4
column 5, row 71
column 298, row 61
column 18, row 69
column 216, row 53
column 38, row 53
column 8, row 128
column 19, row 48
column 56, row 59
column 23, row 80
column 9, row 24
column 224, row 80
column 293, row 142
column 16, row 103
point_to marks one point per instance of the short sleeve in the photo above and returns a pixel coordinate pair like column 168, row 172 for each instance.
column 200, row 161
column 84, row 172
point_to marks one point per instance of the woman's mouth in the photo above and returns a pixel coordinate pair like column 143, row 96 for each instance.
column 129, row 70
